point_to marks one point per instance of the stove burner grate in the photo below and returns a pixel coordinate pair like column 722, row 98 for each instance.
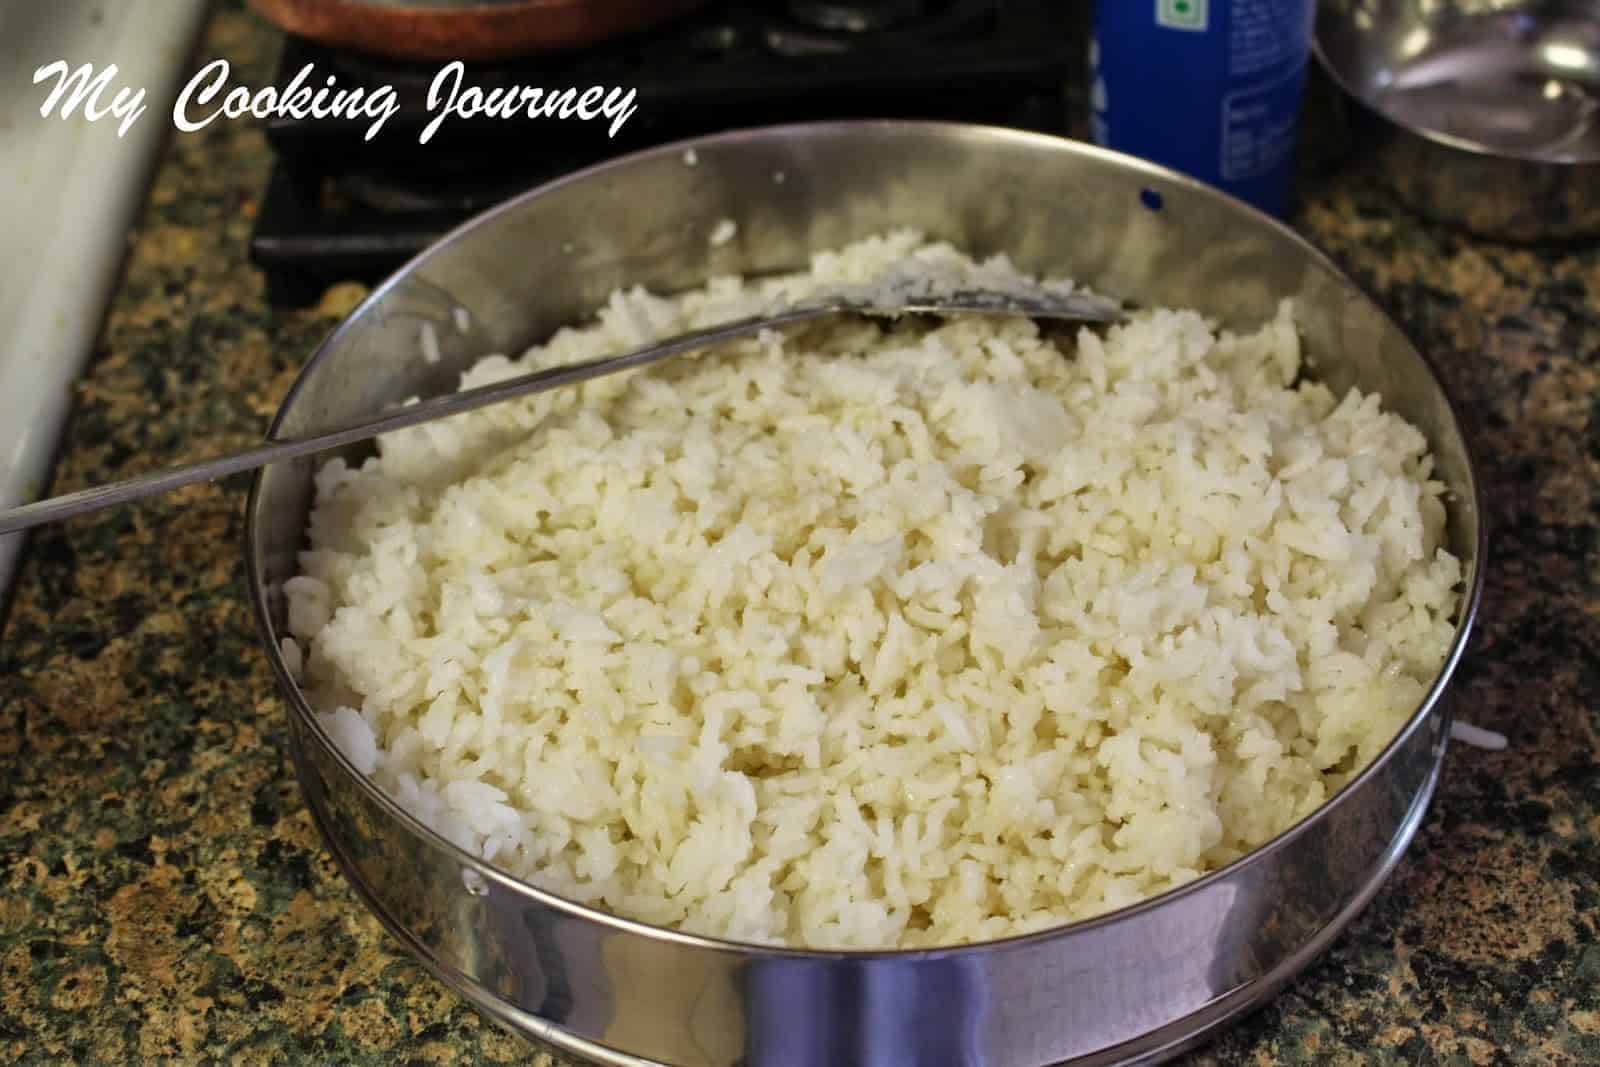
column 338, row 207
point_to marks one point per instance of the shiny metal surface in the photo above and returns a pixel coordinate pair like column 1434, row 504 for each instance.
column 1132, row 986
column 1486, row 112
column 1036, row 303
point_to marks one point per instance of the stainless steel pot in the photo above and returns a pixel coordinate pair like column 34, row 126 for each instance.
column 1135, row 985
column 1484, row 114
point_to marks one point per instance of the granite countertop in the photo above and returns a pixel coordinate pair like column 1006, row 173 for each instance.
column 166, row 896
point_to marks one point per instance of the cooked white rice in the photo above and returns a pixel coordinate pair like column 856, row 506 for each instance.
column 867, row 635
column 428, row 338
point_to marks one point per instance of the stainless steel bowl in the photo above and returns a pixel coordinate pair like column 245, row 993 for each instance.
column 1134, row 985
column 1485, row 113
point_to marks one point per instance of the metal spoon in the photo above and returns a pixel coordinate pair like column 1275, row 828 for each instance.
column 886, row 301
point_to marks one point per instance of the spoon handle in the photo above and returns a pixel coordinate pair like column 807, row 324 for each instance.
column 440, row 407
column 1074, row 307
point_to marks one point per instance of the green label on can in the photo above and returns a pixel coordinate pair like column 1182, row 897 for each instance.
column 1182, row 14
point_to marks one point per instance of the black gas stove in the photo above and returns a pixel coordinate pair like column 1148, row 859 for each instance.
column 340, row 207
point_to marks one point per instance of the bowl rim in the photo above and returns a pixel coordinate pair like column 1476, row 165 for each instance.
column 1467, row 611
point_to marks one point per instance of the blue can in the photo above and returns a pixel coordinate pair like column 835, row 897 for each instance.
column 1212, row 88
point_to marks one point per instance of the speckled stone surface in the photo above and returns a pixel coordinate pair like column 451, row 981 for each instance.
column 165, row 895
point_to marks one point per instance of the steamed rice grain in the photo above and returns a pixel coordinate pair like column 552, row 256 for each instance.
column 879, row 635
